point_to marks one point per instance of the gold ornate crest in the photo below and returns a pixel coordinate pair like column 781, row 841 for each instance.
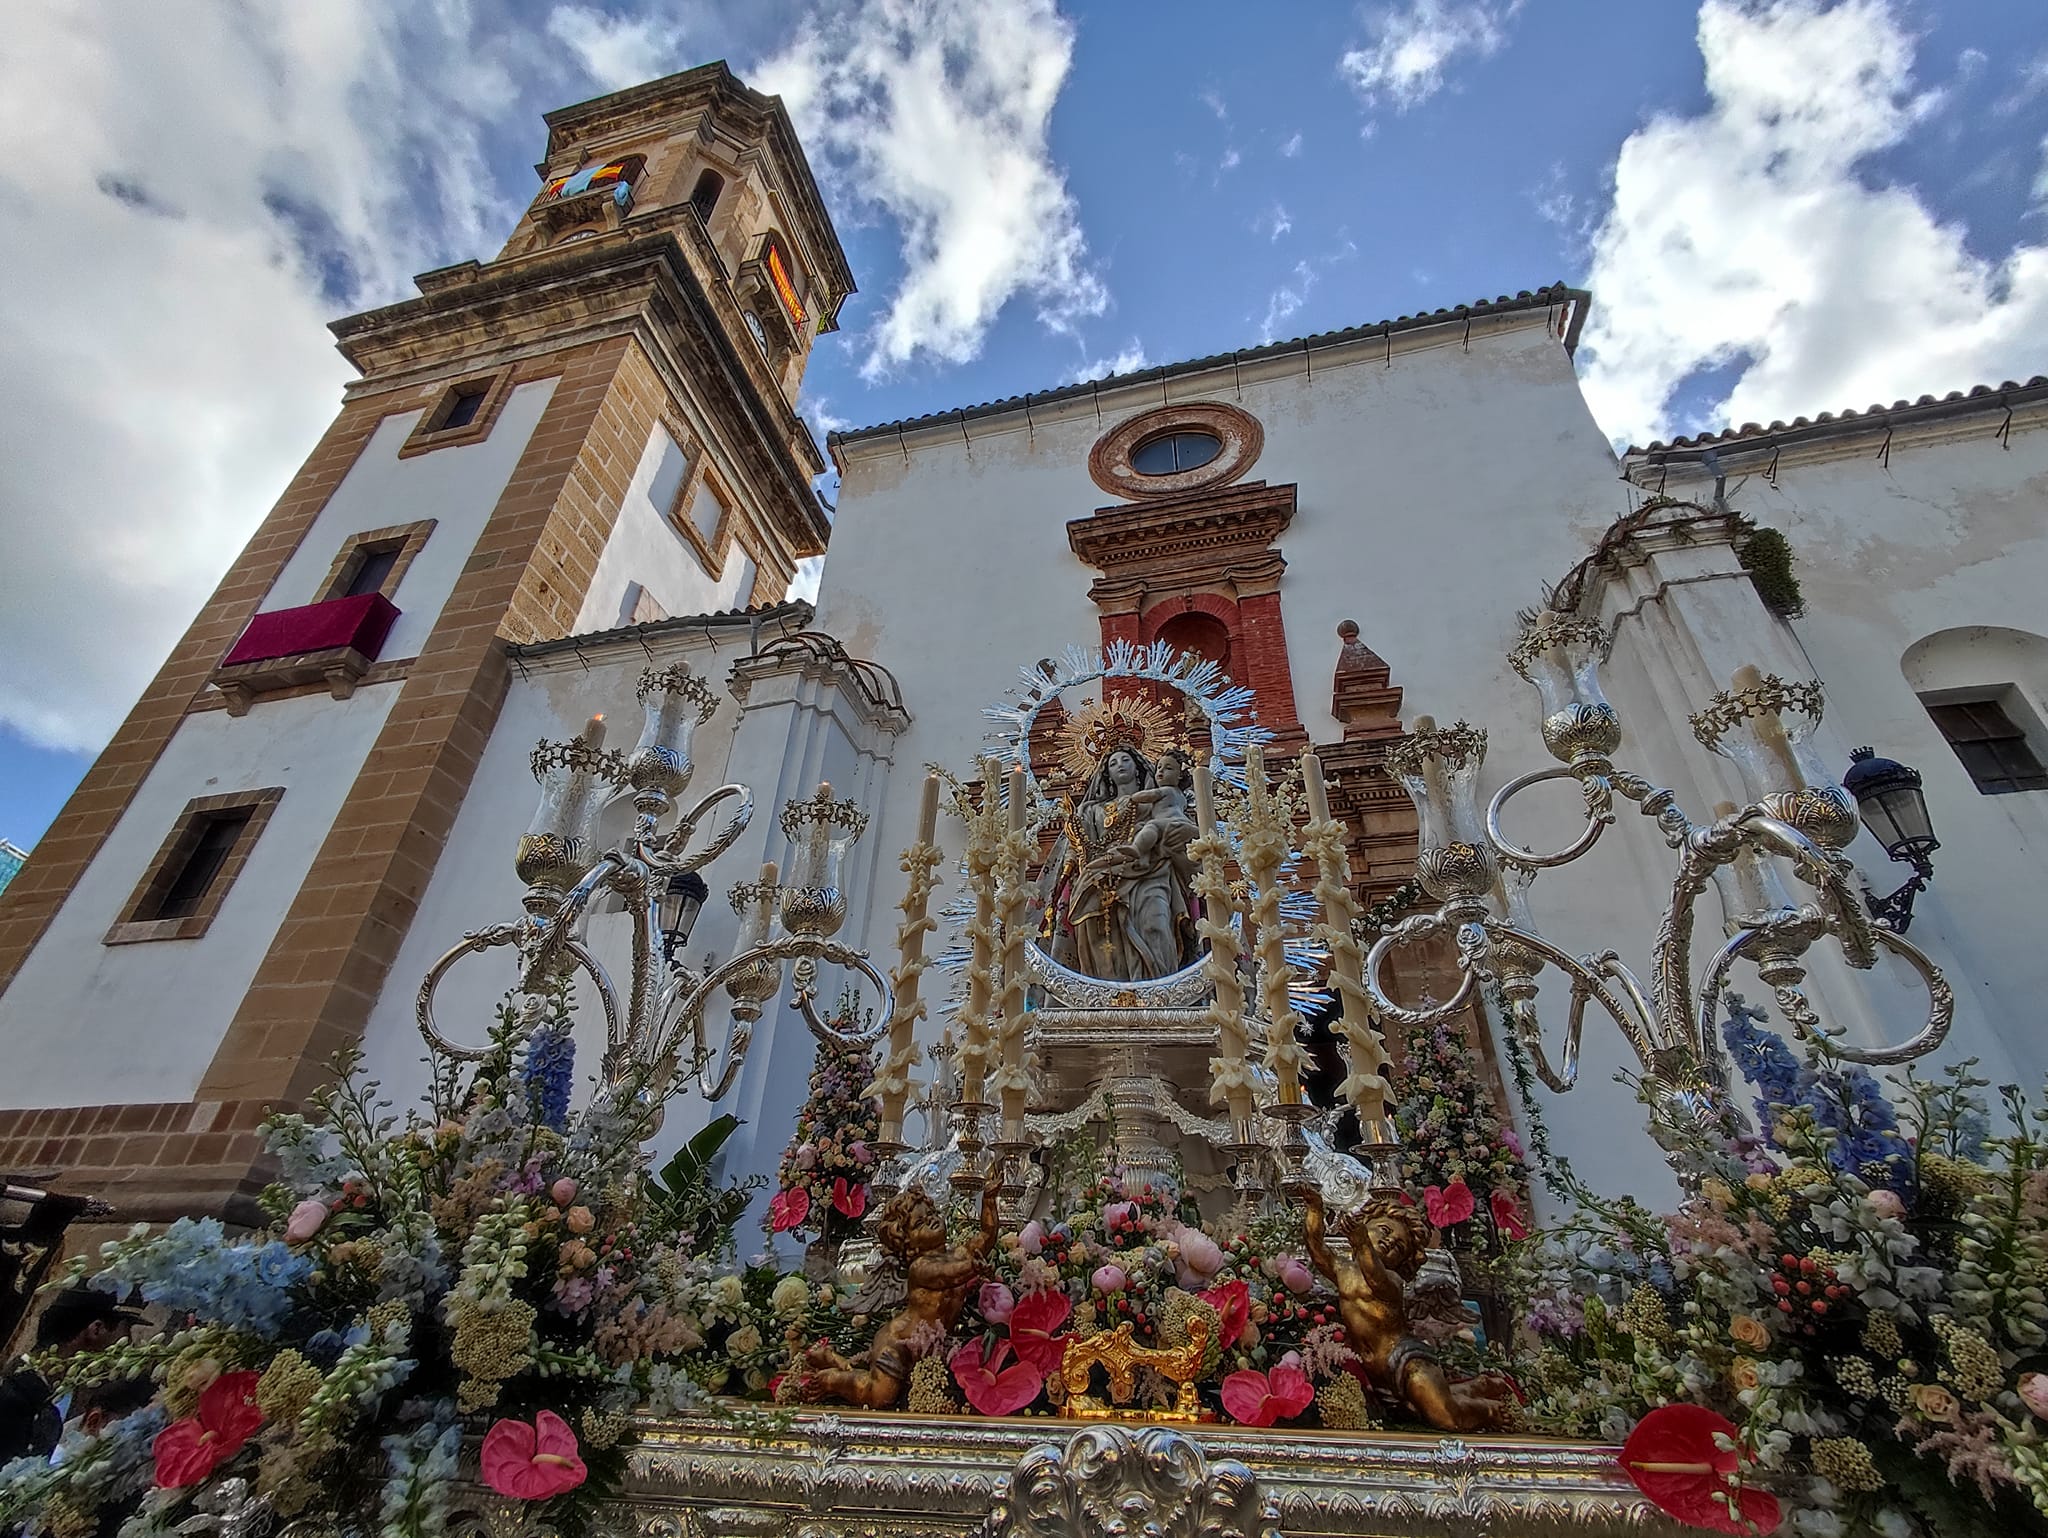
column 1100, row 727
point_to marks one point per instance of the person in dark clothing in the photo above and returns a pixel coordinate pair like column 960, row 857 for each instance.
column 31, row 1415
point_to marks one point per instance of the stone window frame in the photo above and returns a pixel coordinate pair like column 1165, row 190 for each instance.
column 711, row 553
column 409, row 539
column 1242, row 436
column 428, row 434
column 131, row 928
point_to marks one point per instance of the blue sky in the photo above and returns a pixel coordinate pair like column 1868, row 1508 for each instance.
column 1781, row 208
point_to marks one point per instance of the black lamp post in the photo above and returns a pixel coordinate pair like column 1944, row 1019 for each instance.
column 1894, row 810
column 681, row 900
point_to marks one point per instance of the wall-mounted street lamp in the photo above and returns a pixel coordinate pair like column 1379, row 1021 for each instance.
column 682, row 898
column 1895, row 811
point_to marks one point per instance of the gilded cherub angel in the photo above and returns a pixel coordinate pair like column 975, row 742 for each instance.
column 911, row 1232
column 1387, row 1241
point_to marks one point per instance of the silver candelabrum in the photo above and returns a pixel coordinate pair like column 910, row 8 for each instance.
column 1796, row 812
column 661, row 1038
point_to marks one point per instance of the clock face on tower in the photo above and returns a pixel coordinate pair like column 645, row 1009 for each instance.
column 754, row 326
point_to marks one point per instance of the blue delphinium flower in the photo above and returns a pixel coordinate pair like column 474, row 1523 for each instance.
column 1846, row 1099
column 1763, row 1059
column 548, row 1073
column 192, row 1268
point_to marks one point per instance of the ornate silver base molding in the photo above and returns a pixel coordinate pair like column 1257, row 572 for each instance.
column 907, row 1476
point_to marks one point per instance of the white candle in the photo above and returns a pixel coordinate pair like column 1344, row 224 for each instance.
column 1365, row 1086
column 1014, row 900
column 920, row 865
column 1229, row 1070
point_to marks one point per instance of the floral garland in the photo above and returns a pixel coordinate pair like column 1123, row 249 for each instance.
column 1850, row 1312
column 823, row 1182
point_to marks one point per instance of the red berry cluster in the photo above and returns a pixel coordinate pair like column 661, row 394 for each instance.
column 1294, row 1317
column 1121, row 1307
column 1808, row 1292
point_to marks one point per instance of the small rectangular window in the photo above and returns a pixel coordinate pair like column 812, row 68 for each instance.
column 372, row 567
column 198, row 862
column 461, row 414
column 1991, row 745
column 463, row 407
column 213, row 839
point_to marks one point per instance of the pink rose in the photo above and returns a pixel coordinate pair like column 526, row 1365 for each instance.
column 563, row 1191
column 305, row 1221
column 1886, row 1203
column 1297, row 1277
column 1117, row 1214
column 1032, row 1239
column 532, row 1463
column 1201, row 1255
column 997, row 1302
column 2033, row 1387
column 806, row 1155
column 1110, row 1279
column 857, row 1151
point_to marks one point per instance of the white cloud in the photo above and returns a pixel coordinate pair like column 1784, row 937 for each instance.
column 1293, row 146
column 936, row 113
column 618, row 51
column 1213, row 100
column 1751, row 235
column 1286, row 299
column 193, row 191
column 1230, row 162
column 1274, row 223
column 1128, row 361
column 1413, row 44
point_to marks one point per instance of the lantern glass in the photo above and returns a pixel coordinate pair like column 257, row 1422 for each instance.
column 1894, row 808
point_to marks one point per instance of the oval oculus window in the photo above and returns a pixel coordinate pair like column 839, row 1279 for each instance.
column 1171, row 453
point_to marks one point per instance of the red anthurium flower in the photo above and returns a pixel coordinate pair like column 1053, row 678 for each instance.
column 1675, row 1459
column 994, row 1384
column 532, row 1463
column 788, row 1209
column 1233, row 1304
column 1449, row 1204
column 1507, row 1215
column 189, row 1450
column 1032, row 1323
column 848, row 1201
column 1261, row 1398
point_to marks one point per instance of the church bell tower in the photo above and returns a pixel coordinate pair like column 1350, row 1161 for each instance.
column 592, row 428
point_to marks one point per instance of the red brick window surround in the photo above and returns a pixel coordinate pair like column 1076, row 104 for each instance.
column 184, row 886
column 1122, row 466
column 463, row 413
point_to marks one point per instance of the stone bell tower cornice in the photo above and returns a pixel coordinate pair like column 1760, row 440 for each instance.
column 648, row 284
column 727, row 110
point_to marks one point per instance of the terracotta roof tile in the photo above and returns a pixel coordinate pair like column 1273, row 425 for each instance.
column 1847, row 418
column 1527, row 299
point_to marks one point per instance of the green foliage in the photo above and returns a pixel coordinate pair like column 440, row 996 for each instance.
column 686, row 1198
column 1767, row 556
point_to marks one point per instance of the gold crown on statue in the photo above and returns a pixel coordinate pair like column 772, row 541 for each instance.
column 1100, row 727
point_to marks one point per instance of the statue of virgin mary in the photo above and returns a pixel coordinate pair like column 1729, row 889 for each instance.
column 1118, row 889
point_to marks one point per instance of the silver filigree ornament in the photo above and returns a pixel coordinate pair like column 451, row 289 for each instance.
column 1153, row 1483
